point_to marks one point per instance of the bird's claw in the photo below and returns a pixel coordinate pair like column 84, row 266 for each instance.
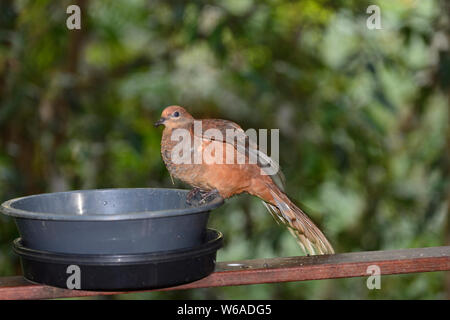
column 192, row 194
column 204, row 196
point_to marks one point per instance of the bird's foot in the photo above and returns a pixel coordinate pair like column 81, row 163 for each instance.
column 199, row 196
column 192, row 194
column 210, row 195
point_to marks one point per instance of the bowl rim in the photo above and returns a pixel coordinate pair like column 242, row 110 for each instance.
column 213, row 242
column 7, row 209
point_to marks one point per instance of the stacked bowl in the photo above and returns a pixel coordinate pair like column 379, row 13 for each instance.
column 114, row 239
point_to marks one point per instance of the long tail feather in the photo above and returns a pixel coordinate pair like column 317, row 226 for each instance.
column 308, row 235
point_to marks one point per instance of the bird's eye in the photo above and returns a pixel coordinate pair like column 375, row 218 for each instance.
column 176, row 114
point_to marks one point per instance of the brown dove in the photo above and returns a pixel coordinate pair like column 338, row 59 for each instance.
column 194, row 157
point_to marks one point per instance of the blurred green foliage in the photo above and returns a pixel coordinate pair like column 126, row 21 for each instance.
column 363, row 117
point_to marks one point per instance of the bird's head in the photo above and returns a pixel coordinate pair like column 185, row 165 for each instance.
column 174, row 117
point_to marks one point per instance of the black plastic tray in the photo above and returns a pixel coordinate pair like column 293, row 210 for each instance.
column 120, row 272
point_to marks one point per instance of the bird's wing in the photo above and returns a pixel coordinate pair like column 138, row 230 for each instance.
column 243, row 144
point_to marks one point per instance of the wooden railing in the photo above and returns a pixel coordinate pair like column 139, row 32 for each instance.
column 344, row 265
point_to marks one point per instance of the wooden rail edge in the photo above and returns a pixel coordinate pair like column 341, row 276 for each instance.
column 246, row 272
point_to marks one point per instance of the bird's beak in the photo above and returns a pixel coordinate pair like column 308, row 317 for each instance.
column 160, row 122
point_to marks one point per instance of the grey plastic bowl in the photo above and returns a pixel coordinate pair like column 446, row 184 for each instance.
column 110, row 221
